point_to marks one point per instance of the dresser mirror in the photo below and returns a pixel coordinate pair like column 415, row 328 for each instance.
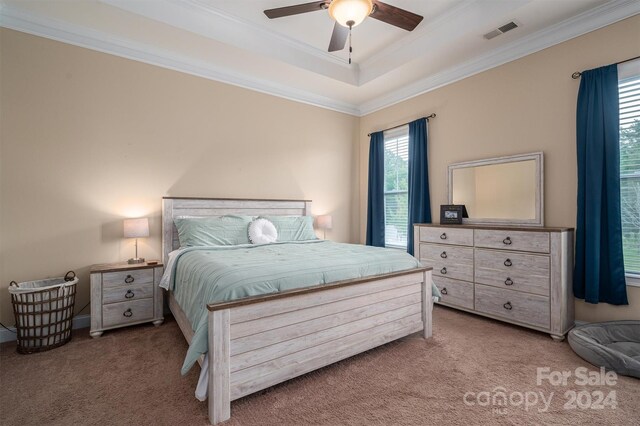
column 500, row 191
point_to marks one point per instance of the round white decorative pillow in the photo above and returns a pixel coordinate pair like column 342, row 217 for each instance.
column 262, row 231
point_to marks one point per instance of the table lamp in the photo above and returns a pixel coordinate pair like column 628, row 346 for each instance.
column 324, row 222
column 136, row 228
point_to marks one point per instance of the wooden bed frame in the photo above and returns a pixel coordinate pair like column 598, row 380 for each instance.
column 257, row 342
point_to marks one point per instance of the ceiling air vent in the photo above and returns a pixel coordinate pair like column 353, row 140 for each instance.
column 501, row 30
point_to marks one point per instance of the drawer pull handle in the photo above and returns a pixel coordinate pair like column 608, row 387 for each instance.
column 508, row 306
column 129, row 279
column 128, row 313
column 444, row 290
column 443, row 236
column 507, row 241
column 129, row 294
column 508, row 281
column 443, row 271
column 443, row 255
column 508, row 262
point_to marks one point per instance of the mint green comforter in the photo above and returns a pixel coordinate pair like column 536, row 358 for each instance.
column 202, row 275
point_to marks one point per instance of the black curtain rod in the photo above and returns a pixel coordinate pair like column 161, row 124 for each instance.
column 432, row 115
column 576, row 75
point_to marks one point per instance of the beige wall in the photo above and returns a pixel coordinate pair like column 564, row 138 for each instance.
column 89, row 138
column 524, row 106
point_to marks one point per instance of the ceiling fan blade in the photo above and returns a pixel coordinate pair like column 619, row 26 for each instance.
column 338, row 38
column 395, row 16
column 295, row 9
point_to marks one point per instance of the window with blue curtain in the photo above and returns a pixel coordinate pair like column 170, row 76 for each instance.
column 396, row 187
column 599, row 274
column 398, row 194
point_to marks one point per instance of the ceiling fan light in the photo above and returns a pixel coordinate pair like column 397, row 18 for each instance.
column 344, row 11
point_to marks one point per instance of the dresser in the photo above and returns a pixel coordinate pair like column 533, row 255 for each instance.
column 124, row 294
column 517, row 275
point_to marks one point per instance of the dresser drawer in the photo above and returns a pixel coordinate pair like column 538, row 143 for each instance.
column 537, row 242
column 124, row 278
column 461, row 237
column 513, row 305
column 127, row 312
column 454, row 292
column 515, row 271
column 450, row 261
column 130, row 292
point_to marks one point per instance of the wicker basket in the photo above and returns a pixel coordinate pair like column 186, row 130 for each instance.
column 44, row 312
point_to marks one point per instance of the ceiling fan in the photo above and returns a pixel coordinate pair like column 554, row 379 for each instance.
column 350, row 13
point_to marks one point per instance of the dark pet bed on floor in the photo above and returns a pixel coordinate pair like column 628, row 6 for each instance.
column 613, row 345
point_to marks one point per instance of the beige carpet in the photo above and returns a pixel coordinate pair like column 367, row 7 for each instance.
column 131, row 377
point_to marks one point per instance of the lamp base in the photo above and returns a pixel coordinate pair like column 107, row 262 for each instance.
column 136, row 260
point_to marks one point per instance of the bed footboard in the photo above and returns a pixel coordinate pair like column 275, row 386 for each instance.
column 219, row 366
column 256, row 343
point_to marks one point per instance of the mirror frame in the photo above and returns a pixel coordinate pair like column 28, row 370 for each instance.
column 538, row 157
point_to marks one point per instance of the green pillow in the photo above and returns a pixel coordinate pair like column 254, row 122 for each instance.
column 212, row 231
column 293, row 228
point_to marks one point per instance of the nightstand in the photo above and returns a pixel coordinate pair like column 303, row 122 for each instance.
column 124, row 294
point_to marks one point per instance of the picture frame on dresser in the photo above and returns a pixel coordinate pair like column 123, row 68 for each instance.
column 452, row 214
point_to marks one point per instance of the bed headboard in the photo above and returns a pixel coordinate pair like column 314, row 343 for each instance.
column 180, row 206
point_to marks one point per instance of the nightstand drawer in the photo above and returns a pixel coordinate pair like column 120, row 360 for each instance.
column 123, row 278
column 127, row 312
column 123, row 294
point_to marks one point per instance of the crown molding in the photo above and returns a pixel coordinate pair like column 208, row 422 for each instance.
column 403, row 50
column 591, row 20
column 204, row 19
column 207, row 6
column 107, row 43
column 609, row 13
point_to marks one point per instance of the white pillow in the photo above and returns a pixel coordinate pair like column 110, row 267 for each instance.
column 262, row 231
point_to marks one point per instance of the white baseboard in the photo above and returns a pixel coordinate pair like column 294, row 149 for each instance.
column 81, row 321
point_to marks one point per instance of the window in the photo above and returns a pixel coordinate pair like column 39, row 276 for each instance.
column 629, row 90
column 396, row 187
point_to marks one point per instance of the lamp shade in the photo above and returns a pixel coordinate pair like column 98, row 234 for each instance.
column 136, row 228
column 352, row 12
column 324, row 221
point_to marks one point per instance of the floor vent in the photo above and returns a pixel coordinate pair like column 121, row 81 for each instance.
column 501, row 30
